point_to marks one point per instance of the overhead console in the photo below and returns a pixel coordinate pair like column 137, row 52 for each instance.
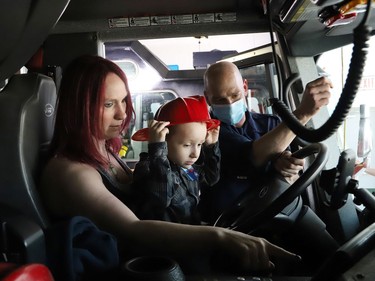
column 303, row 21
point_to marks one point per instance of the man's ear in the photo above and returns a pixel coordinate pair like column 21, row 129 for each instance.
column 206, row 97
column 245, row 87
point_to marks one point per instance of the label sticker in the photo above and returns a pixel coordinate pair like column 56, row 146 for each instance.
column 203, row 18
column 118, row 22
column 222, row 17
column 172, row 19
column 182, row 19
column 160, row 20
column 139, row 21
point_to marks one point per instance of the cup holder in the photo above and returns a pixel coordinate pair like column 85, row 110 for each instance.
column 147, row 268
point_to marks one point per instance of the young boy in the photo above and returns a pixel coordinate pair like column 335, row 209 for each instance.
column 167, row 178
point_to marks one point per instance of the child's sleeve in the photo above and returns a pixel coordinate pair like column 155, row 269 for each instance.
column 210, row 173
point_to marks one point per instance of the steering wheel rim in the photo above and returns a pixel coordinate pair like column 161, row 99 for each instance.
column 262, row 203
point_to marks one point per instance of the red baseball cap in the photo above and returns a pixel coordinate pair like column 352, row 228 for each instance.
column 179, row 111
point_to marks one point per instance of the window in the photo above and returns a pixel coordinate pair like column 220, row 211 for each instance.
column 261, row 87
column 151, row 65
column 180, row 51
column 145, row 105
column 349, row 132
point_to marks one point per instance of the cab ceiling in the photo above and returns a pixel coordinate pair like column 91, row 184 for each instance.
column 96, row 9
column 304, row 38
column 93, row 16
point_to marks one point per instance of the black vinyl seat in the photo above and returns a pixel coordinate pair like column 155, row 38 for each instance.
column 27, row 105
column 70, row 247
column 26, row 124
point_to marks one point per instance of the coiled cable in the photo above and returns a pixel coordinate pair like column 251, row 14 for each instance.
column 361, row 36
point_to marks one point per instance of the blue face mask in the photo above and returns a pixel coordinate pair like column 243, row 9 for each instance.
column 230, row 113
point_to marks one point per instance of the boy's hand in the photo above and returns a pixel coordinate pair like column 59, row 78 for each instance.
column 212, row 136
column 158, row 130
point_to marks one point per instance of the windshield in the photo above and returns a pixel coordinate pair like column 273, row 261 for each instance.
column 160, row 70
column 185, row 52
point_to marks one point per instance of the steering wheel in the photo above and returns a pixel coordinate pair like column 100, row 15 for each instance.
column 262, row 203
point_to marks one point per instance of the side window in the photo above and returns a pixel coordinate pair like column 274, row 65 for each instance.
column 261, row 87
column 358, row 130
column 142, row 80
column 145, row 105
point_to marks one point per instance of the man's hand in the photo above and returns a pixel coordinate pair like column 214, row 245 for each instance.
column 289, row 166
column 212, row 136
column 316, row 95
column 157, row 131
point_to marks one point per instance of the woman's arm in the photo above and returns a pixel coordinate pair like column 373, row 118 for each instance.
column 71, row 189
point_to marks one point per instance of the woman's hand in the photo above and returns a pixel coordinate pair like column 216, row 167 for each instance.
column 253, row 253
